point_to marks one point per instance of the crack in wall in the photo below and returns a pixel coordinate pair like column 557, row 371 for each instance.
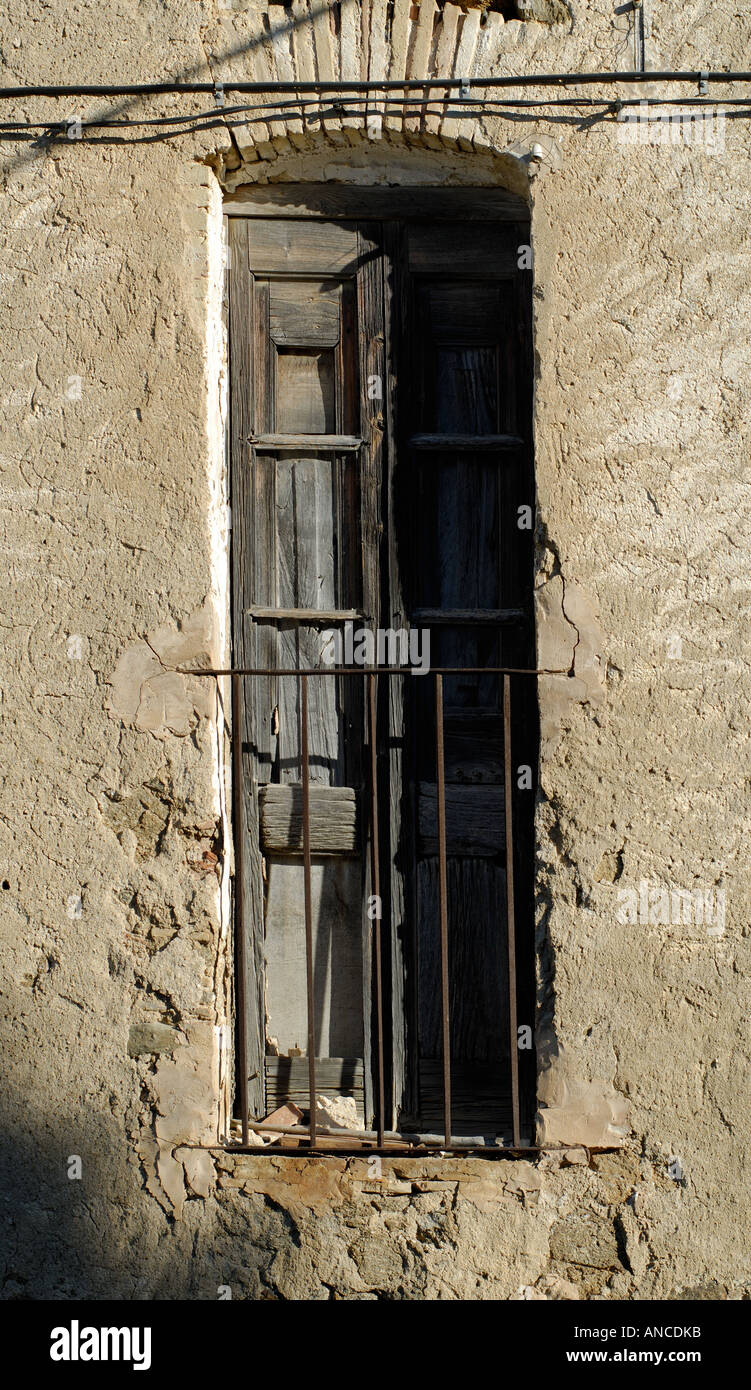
column 546, row 543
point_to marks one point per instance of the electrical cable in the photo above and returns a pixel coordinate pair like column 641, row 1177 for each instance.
column 308, row 111
column 328, row 100
column 545, row 79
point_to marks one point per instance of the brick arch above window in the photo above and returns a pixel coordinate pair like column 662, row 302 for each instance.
column 337, row 41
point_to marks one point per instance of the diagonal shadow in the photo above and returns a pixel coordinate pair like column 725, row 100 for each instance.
column 189, row 74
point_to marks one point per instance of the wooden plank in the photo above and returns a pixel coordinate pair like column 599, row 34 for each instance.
column 372, row 370
column 457, row 547
column 348, row 419
column 473, row 756
column 305, row 313
column 397, row 817
column 349, row 555
column 475, row 820
column 465, row 389
column 326, row 200
column 287, row 1080
column 314, row 552
column 407, row 524
column 480, row 1097
column 333, row 819
column 306, row 391
column 467, row 617
column 336, row 899
column 310, row 248
column 305, row 527
column 459, row 312
column 333, row 443
column 304, row 615
column 305, row 565
column 241, row 378
column 342, row 1074
column 263, row 353
column 260, row 539
column 461, row 443
column 478, row 966
column 372, row 374
column 310, row 537
column 473, row 715
column 482, row 252
column 484, row 1077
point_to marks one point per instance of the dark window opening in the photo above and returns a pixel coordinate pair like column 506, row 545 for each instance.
column 381, row 397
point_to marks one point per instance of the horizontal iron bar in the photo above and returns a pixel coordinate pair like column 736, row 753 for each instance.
column 396, row 1150
column 366, row 1135
column 543, row 79
column 371, row 670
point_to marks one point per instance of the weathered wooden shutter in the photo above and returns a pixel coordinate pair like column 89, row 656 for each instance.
column 463, row 472
column 396, row 505
column 306, row 470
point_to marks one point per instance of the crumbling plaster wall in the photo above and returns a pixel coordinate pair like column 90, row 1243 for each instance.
column 115, row 853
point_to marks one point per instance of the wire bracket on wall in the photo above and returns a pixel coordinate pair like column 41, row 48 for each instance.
column 301, row 100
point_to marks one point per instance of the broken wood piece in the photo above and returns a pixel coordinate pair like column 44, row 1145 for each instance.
column 333, row 819
column 287, row 1081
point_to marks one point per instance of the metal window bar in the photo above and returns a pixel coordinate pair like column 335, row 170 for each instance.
column 380, row 1139
column 443, row 907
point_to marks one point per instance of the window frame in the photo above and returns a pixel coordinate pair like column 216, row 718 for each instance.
column 395, row 207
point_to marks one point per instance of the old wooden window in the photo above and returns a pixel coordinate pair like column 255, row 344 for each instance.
column 381, row 453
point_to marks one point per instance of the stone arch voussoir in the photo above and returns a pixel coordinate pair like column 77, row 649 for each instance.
column 341, row 40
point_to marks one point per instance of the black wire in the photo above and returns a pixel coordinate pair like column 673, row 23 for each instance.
column 307, row 111
column 408, row 84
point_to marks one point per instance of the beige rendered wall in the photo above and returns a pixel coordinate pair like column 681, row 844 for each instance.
column 115, row 856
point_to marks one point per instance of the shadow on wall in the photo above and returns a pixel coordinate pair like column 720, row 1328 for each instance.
column 101, row 1236
column 72, row 1227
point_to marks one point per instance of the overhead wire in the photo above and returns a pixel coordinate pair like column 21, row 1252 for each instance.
column 376, row 85
column 310, row 111
column 318, row 100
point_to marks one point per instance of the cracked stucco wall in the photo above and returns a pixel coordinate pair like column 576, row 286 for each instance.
column 115, row 846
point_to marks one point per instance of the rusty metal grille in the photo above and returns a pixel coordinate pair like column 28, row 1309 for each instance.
column 313, row 1138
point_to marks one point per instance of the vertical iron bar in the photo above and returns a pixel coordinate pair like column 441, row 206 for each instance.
column 510, row 915
column 239, row 825
column 375, row 889
column 304, row 756
column 443, row 907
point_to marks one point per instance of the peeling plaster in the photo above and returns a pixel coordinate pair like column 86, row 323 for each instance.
column 149, row 695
